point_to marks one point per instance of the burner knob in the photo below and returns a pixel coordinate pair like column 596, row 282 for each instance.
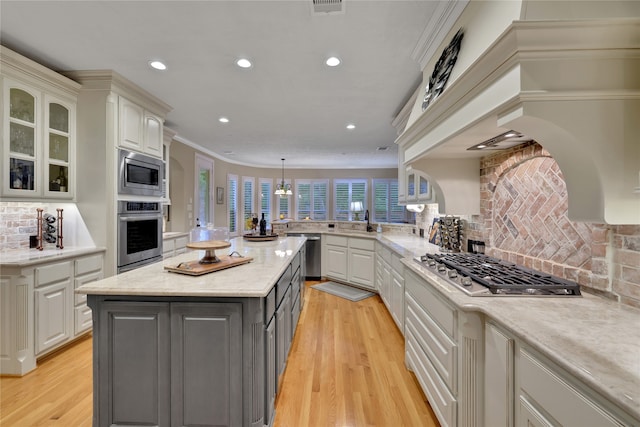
column 465, row 280
column 442, row 268
column 431, row 263
column 452, row 274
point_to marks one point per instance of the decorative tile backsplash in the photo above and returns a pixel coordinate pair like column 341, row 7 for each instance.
column 19, row 220
column 524, row 220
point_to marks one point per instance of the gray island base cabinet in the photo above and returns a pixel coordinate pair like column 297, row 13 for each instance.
column 184, row 360
column 175, row 363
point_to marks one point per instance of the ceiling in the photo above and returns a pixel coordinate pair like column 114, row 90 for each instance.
column 289, row 104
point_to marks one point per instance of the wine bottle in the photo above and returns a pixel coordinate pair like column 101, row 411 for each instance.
column 63, row 180
column 263, row 226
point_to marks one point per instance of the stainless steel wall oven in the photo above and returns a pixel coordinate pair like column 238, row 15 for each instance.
column 139, row 234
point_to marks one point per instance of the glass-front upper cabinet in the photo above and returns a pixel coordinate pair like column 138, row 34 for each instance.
column 21, row 125
column 38, row 161
column 58, row 146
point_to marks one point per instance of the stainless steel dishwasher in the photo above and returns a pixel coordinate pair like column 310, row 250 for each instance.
column 313, row 252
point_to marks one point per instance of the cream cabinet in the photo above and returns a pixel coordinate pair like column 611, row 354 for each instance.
column 444, row 348
column 416, row 188
column 390, row 283
column 349, row 259
column 527, row 389
column 174, row 244
column 40, row 310
column 53, row 302
column 335, row 257
column 140, row 130
column 549, row 396
column 39, row 124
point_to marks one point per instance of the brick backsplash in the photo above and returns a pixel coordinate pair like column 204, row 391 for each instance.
column 524, row 220
column 18, row 220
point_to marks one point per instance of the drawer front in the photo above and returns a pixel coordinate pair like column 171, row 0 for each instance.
column 53, row 273
column 82, row 319
column 337, row 240
column 440, row 311
column 364, row 244
column 283, row 283
column 384, row 252
column 567, row 405
column 88, row 264
column 295, row 263
column 168, row 245
column 440, row 398
column 396, row 264
column 181, row 242
column 270, row 305
column 434, row 342
column 83, row 280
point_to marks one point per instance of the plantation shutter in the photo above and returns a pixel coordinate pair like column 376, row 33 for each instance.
column 341, row 201
column 320, row 200
column 265, row 200
column 232, row 191
column 304, row 200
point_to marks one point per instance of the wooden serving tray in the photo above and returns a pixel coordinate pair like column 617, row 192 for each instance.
column 195, row 268
column 259, row 238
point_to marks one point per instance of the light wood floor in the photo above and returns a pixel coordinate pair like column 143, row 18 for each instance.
column 346, row 368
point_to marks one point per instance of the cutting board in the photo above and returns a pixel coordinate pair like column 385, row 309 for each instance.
column 195, row 268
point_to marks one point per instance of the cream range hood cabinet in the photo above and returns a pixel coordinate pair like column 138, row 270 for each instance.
column 572, row 86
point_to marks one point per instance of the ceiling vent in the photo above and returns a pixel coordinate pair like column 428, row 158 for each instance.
column 327, row 7
column 383, row 148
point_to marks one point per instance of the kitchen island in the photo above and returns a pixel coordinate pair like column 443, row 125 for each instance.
column 173, row 349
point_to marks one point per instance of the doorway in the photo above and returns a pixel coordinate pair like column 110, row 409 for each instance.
column 204, row 194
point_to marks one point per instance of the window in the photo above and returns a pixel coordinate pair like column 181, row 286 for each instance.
column 248, row 184
column 284, row 204
column 345, row 192
column 385, row 205
column 311, row 199
column 265, row 198
column 232, row 203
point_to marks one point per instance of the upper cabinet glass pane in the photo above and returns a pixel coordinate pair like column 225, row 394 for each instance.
column 411, row 191
column 58, row 147
column 21, row 139
column 424, row 186
column 22, row 105
column 58, row 117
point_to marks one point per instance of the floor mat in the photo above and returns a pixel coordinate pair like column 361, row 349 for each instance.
column 343, row 291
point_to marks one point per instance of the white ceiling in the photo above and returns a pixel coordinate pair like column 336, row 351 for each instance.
column 289, row 104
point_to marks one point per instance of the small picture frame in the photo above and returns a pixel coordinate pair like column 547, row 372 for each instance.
column 219, row 195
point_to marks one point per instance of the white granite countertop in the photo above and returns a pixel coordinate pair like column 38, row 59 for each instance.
column 27, row 257
column 254, row 279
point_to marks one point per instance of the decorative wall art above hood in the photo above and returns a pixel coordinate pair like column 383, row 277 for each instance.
column 572, row 86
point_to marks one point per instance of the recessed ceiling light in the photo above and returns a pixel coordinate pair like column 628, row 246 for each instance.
column 243, row 63
column 333, row 61
column 223, row 120
column 157, row 65
column 351, row 126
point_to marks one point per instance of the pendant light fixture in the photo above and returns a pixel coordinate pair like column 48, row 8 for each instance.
column 282, row 189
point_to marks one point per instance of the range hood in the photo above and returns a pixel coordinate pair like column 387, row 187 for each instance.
column 572, row 86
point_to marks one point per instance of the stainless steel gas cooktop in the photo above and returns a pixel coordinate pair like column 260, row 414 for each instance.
column 482, row 275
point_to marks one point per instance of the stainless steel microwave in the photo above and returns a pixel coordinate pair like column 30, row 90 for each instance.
column 139, row 174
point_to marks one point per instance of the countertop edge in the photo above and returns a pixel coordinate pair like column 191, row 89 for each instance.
column 49, row 256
